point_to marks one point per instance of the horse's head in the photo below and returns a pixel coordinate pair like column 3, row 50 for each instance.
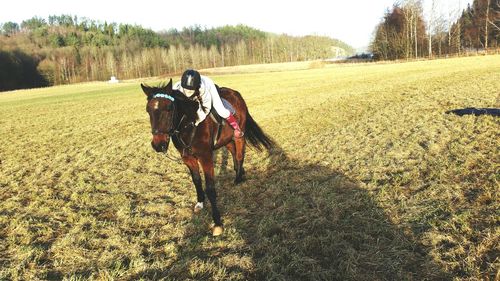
column 161, row 110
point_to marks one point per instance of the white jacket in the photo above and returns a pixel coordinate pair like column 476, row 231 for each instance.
column 209, row 96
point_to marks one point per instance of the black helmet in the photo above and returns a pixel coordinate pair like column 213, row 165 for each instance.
column 191, row 79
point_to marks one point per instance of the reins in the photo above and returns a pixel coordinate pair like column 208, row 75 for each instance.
column 186, row 147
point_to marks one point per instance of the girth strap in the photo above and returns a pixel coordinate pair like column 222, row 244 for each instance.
column 219, row 124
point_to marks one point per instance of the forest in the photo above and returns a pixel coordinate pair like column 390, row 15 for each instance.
column 403, row 32
column 67, row 49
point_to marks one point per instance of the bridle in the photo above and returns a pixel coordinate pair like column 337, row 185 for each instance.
column 174, row 129
column 170, row 130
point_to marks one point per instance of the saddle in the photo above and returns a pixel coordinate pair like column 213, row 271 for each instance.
column 219, row 121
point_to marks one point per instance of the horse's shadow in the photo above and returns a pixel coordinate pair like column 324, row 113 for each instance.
column 475, row 111
column 301, row 221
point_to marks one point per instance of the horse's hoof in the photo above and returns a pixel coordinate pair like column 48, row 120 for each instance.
column 218, row 230
column 240, row 178
column 238, row 181
column 198, row 207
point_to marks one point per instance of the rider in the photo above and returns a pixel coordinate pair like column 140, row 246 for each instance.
column 194, row 85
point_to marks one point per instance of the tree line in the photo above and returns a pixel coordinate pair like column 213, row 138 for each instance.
column 403, row 32
column 67, row 49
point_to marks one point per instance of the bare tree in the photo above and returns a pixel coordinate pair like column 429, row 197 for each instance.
column 487, row 19
column 440, row 32
column 454, row 28
column 494, row 25
column 431, row 25
column 413, row 12
column 408, row 28
column 496, row 16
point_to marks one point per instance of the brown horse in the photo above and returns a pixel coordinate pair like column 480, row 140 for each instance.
column 172, row 116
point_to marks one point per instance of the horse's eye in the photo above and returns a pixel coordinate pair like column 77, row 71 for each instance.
column 170, row 107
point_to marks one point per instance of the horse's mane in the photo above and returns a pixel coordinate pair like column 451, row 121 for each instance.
column 161, row 88
column 189, row 106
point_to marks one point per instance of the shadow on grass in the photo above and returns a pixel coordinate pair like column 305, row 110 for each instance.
column 297, row 221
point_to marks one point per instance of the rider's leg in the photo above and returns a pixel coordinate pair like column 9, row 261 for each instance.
column 232, row 121
column 226, row 114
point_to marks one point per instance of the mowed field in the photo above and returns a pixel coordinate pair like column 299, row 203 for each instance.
column 371, row 181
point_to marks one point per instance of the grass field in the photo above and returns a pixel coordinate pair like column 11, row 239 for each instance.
column 372, row 181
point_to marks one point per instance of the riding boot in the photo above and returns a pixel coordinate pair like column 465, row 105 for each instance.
column 238, row 133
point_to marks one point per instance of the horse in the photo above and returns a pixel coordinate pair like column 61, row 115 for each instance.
column 172, row 116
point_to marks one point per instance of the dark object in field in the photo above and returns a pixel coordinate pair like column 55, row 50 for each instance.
column 475, row 111
column 172, row 116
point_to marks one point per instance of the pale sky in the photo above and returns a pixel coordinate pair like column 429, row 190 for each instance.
column 351, row 21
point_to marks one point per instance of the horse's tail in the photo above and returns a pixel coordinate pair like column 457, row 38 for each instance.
column 256, row 136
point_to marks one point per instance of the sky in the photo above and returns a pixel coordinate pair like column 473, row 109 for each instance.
column 350, row 21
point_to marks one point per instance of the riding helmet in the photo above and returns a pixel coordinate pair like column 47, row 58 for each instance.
column 191, row 79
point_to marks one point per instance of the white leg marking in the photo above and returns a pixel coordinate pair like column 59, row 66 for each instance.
column 198, row 206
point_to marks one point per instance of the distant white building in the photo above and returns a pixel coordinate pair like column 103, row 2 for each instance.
column 113, row 80
column 339, row 52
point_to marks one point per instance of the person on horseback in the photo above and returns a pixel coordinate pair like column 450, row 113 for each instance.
column 193, row 85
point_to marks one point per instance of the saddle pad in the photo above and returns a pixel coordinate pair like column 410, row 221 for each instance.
column 216, row 117
column 228, row 106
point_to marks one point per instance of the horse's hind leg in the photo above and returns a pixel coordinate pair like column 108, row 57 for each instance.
column 237, row 149
column 194, row 169
column 232, row 148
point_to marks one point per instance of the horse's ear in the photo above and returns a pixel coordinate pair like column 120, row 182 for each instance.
column 146, row 90
column 168, row 88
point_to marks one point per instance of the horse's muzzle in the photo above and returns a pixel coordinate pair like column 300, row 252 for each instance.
column 160, row 143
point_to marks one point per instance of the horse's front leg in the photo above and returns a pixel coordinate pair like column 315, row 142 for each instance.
column 194, row 169
column 207, row 165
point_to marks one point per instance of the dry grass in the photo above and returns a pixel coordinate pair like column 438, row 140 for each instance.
column 372, row 181
column 261, row 68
